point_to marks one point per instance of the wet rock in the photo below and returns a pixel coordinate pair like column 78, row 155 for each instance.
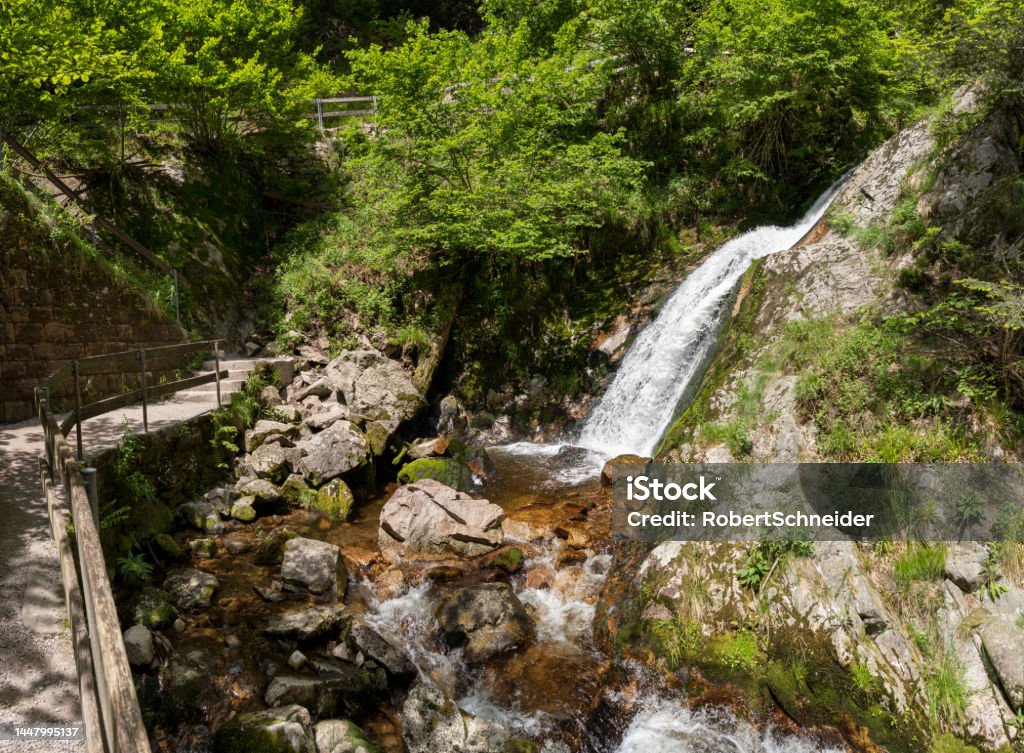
column 334, row 499
column 374, row 386
column 185, row 683
column 153, row 608
column 138, row 645
column 309, row 624
column 313, row 567
column 343, row 691
column 448, row 471
column 263, row 430
column 191, row 589
column 964, row 565
column 281, row 730
column 433, row 722
column 381, row 650
column 203, row 548
column 340, row 736
column 271, row 550
column 243, row 510
column 510, row 559
column 333, row 451
column 486, row 620
column 237, row 544
column 540, row 577
column 1004, row 646
column 429, row 517
column 203, row 516
column 574, row 534
column 620, row 467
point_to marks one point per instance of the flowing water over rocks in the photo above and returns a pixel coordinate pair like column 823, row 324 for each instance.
column 433, row 619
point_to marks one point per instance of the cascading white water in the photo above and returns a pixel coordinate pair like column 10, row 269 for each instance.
column 671, row 351
column 667, row 728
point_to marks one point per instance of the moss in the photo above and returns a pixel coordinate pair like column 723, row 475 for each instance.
column 271, row 549
column 334, row 499
column 167, row 546
column 154, row 609
column 294, row 489
column 243, row 510
column 377, row 438
column 511, row 560
column 448, row 471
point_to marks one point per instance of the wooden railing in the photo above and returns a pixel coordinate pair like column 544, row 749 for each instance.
column 110, row 707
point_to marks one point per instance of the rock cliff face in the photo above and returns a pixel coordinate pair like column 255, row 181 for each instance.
column 942, row 653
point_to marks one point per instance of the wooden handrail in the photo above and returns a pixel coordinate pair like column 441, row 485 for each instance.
column 110, row 707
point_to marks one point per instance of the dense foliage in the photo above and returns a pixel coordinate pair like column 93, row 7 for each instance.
column 522, row 152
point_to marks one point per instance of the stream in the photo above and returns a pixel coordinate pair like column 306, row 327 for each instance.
column 561, row 691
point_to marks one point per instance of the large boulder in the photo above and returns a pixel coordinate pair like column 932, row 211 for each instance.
column 336, row 450
column 1004, row 646
column 281, row 730
column 432, row 722
column 191, row 589
column 485, row 620
column 429, row 517
column 375, row 387
column 313, row 567
column 308, row 624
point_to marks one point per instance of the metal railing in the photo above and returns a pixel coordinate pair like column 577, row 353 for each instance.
column 110, row 707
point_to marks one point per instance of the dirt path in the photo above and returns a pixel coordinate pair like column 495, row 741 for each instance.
column 38, row 681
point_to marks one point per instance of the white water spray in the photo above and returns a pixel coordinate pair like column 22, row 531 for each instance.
column 672, row 350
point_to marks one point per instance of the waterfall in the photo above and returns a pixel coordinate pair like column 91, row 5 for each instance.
column 671, row 351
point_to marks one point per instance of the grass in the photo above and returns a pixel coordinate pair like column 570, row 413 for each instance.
column 946, row 693
column 920, row 562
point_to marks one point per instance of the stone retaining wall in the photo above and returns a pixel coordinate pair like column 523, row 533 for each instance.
column 54, row 308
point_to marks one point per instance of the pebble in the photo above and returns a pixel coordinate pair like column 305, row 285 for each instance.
column 232, row 641
column 179, row 625
column 297, row 660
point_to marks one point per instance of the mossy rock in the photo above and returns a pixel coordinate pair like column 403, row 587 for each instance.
column 243, row 510
column 334, row 499
column 510, row 560
column 283, row 730
column 294, row 489
column 331, row 734
column 167, row 546
column 377, row 436
column 271, row 550
column 449, row 471
column 153, row 608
